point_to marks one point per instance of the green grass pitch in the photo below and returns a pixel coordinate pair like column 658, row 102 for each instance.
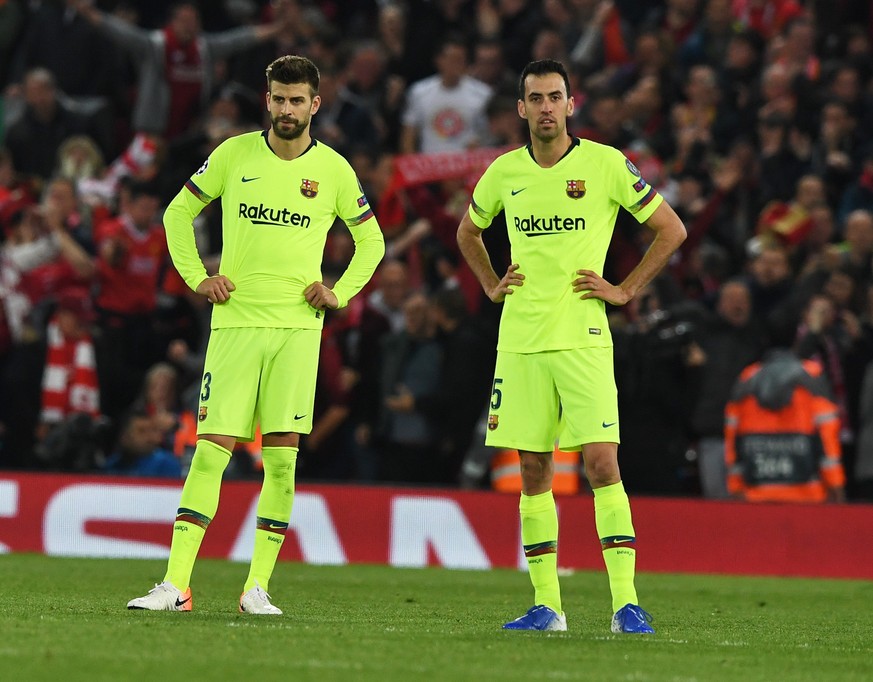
column 65, row 620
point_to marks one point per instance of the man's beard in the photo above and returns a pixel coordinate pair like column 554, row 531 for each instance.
column 292, row 133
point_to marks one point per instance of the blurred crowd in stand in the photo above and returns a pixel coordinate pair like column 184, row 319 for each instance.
column 754, row 118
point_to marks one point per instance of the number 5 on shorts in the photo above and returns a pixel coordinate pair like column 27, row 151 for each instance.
column 496, row 394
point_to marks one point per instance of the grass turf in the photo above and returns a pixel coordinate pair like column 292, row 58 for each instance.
column 65, row 620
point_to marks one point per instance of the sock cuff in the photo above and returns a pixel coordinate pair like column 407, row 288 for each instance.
column 531, row 504
column 282, row 453
column 609, row 495
column 206, row 444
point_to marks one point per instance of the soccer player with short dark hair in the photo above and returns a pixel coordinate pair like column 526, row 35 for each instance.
column 280, row 193
column 554, row 376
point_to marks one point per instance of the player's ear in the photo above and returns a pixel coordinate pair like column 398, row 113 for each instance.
column 522, row 111
column 316, row 104
column 571, row 106
column 267, row 100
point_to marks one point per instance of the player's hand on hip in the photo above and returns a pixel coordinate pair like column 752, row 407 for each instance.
column 592, row 285
column 216, row 288
column 320, row 297
column 504, row 287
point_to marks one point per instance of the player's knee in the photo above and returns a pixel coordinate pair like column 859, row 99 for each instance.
column 536, row 471
column 209, row 463
column 278, row 462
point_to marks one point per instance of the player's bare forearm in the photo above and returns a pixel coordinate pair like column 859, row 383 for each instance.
column 669, row 235
column 474, row 252
column 320, row 296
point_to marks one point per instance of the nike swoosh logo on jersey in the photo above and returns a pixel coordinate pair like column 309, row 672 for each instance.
column 518, row 191
column 298, row 416
column 181, row 602
column 245, row 179
column 606, row 426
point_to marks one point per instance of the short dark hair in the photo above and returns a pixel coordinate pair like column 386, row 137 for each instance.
column 541, row 68
column 293, row 68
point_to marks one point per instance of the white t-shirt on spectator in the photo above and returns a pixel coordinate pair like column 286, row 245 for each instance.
column 447, row 119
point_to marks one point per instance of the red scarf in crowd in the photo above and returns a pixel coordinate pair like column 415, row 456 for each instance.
column 184, row 72
column 69, row 383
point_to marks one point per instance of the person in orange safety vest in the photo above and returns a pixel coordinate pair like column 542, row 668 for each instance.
column 782, row 433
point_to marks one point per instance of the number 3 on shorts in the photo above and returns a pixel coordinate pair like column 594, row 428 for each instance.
column 496, row 394
column 207, row 379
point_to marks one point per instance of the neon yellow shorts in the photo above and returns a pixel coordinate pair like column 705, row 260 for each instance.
column 258, row 375
column 568, row 396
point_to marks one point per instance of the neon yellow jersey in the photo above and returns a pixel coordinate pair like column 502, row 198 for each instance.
column 276, row 215
column 559, row 220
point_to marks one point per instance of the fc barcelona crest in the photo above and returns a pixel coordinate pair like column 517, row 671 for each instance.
column 492, row 421
column 202, row 414
column 308, row 188
column 575, row 189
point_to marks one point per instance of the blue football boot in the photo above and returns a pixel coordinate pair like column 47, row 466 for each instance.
column 538, row 618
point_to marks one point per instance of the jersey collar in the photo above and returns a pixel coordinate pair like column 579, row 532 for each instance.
column 312, row 143
column 573, row 145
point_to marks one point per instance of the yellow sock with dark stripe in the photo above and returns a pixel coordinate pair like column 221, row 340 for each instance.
column 539, row 535
column 612, row 516
column 274, row 513
column 196, row 508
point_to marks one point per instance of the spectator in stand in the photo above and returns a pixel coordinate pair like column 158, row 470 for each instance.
column 381, row 92
column 770, row 281
column 139, row 451
column 790, row 221
column 824, row 336
column 34, row 139
column 646, row 117
column 70, row 393
column 797, row 49
column 58, row 38
column 391, row 28
column 489, row 66
column 703, row 127
column 159, row 398
column 856, row 250
column 724, row 343
column 739, row 75
column 604, row 113
column 445, row 112
column 381, row 315
column 39, row 258
column 603, row 42
column 782, row 434
column 467, row 352
column 859, row 192
column 652, row 341
column 61, row 205
column 176, row 63
column 132, row 261
column 835, row 152
column 411, row 366
column 766, row 17
column 327, row 451
column 711, row 38
column 676, row 20
column 344, row 121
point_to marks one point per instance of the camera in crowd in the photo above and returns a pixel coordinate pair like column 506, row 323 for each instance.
column 79, row 443
column 666, row 332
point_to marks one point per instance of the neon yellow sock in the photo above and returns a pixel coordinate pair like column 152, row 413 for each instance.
column 274, row 513
column 539, row 535
column 612, row 516
column 196, row 508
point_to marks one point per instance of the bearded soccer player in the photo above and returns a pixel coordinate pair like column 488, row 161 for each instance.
column 554, row 373
column 280, row 193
